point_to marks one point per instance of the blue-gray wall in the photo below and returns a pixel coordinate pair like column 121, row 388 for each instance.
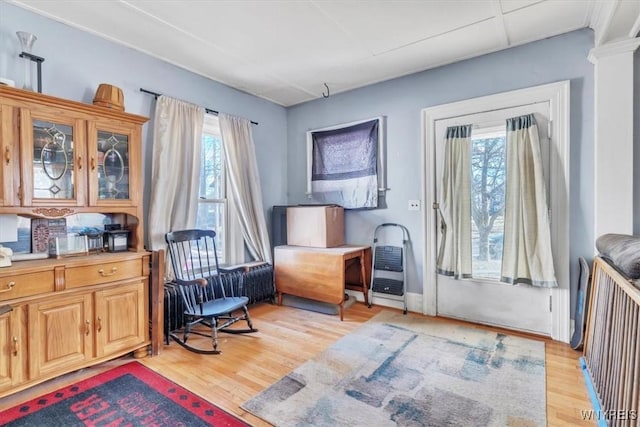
column 76, row 62
column 401, row 101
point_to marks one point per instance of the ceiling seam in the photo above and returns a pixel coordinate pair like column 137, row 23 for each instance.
column 175, row 27
column 525, row 6
column 434, row 36
column 502, row 27
column 344, row 30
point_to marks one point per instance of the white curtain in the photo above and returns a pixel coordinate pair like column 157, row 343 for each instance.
column 243, row 173
column 454, row 257
column 177, row 140
column 527, row 256
column 235, row 240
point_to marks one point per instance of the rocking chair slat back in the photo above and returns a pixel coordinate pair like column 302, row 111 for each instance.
column 202, row 286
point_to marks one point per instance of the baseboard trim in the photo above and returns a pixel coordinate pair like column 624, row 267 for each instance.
column 414, row 301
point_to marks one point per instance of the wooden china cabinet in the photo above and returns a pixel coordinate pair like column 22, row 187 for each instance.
column 62, row 158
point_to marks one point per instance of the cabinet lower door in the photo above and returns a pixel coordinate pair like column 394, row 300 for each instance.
column 12, row 348
column 120, row 318
column 60, row 334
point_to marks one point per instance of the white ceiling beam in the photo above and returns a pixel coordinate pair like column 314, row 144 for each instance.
column 601, row 20
column 635, row 29
column 615, row 20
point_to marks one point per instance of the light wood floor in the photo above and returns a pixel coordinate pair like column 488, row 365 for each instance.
column 287, row 338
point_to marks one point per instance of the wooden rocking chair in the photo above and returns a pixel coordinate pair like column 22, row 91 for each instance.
column 207, row 300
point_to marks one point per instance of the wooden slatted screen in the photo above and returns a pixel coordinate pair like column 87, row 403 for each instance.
column 612, row 341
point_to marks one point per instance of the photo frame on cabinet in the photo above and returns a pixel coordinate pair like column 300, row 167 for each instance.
column 346, row 164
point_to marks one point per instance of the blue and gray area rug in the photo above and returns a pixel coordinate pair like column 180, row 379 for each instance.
column 413, row 371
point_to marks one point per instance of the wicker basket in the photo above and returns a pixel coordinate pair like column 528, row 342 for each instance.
column 109, row 96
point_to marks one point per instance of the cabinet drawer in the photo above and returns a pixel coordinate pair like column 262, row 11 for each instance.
column 76, row 277
column 23, row 285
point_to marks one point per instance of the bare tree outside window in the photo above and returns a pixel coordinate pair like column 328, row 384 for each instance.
column 487, row 201
column 211, row 177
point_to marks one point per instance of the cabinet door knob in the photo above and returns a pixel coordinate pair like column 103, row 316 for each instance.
column 99, row 324
column 10, row 286
column 15, row 346
column 93, row 164
column 113, row 271
column 79, row 162
column 87, row 328
column 7, row 155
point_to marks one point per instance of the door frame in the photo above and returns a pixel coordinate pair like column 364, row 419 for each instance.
column 557, row 94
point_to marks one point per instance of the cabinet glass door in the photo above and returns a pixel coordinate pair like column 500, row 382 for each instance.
column 113, row 166
column 53, row 150
column 53, row 166
column 111, row 180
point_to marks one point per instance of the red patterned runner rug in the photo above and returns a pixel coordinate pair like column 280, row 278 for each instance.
column 130, row 394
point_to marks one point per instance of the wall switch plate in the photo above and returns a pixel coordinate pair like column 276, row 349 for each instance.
column 414, row 205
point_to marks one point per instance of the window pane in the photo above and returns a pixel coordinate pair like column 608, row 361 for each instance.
column 211, row 216
column 211, row 174
column 487, row 205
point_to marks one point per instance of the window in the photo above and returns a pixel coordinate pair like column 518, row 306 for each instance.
column 212, row 204
column 487, row 200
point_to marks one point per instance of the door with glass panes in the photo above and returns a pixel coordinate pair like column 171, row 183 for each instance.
column 483, row 298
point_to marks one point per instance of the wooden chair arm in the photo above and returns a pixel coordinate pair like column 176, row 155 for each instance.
column 202, row 282
column 197, row 297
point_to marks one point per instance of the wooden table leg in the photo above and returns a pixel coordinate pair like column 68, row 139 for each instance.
column 363, row 275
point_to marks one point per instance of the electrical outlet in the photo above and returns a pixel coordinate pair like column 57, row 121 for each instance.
column 414, row 205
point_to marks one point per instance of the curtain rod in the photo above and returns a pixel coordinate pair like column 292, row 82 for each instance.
column 208, row 110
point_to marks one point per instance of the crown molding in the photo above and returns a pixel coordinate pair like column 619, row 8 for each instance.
column 614, row 48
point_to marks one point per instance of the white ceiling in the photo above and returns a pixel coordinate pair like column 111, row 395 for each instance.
column 286, row 50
